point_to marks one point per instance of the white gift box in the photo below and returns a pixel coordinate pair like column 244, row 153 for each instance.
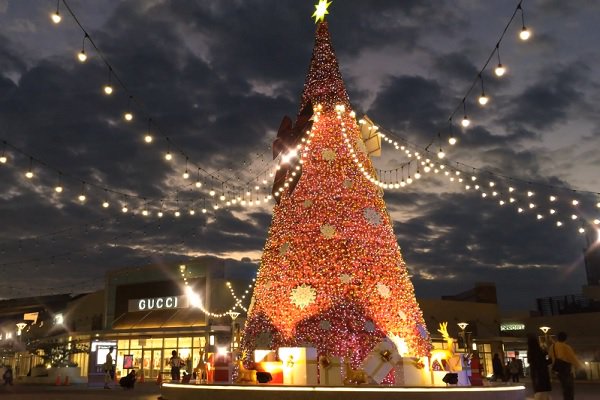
column 380, row 362
column 330, row 371
column 406, row 373
column 299, row 365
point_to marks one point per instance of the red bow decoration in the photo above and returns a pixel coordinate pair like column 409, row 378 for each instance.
column 288, row 137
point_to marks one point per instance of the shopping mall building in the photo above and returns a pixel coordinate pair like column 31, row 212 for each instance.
column 198, row 309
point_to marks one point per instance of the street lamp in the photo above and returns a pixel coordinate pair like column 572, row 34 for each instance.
column 233, row 315
column 20, row 327
column 545, row 329
column 462, row 326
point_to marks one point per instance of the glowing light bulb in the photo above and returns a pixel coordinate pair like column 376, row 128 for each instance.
column 473, row 178
column 417, row 175
column 168, row 156
column 145, row 213
column 441, row 154
column 160, row 214
column 108, row 89
column 500, row 70
column 204, row 211
column 212, row 192
column 483, row 99
column 128, row 116
column 29, row 174
column 186, row 175
column 56, row 18
column 531, row 205
column 148, row 138
column 198, row 184
column 511, row 189
column 58, row 189
column 177, row 214
column 452, row 140
column 222, row 197
column 552, row 198
column 552, row 211
column 596, row 222
column 581, row 230
column 558, row 223
column 81, row 197
column 465, row 122
column 3, row 160
column 575, row 202
column 520, row 210
column 124, row 209
column 574, row 217
column 501, row 202
column 81, row 56
column 105, row 204
column 192, row 212
column 540, row 216
column 492, row 184
column 409, row 180
column 597, row 204
column 525, row 34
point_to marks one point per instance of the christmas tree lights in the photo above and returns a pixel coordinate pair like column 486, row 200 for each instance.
column 332, row 274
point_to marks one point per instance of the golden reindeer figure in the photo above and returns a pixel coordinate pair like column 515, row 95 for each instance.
column 439, row 355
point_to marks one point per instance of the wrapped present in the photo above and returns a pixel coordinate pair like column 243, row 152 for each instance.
column 380, row 362
column 330, row 371
column 299, row 365
column 411, row 371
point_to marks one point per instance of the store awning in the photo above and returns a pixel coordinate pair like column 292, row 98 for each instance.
column 156, row 319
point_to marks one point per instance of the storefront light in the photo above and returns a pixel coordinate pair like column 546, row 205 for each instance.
column 211, row 340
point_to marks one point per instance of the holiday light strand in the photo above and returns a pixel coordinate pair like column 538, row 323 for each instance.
column 131, row 100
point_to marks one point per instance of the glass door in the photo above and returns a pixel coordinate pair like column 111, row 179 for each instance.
column 156, row 363
column 146, row 364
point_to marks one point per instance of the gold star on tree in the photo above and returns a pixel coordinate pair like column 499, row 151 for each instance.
column 321, row 10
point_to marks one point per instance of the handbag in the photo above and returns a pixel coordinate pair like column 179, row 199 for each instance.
column 560, row 367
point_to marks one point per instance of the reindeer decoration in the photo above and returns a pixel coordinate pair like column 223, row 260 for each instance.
column 440, row 355
column 354, row 376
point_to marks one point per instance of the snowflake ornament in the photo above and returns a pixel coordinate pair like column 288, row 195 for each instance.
column 402, row 315
column 372, row 216
column 307, row 203
column 383, row 290
column 328, row 231
column 328, row 155
column 347, row 183
column 325, row 325
column 369, row 326
column 284, row 248
column 346, row 278
column 303, row 295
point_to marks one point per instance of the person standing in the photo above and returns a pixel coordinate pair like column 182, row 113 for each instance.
column 538, row 369
column 109, row 372
column 176, row 364
column 562, row 351
column 513, row 369
column 497, row 367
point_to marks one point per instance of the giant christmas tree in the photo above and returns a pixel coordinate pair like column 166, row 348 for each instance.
column 331, row 275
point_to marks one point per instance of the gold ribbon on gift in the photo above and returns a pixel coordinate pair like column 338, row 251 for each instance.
column 327, row 366
column 385, row 355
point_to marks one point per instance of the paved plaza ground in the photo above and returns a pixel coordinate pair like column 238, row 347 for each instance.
column 149, row 391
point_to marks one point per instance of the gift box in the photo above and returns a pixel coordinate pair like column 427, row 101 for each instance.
column 380, row 362
column 299, row 365
column 330, row 371
column 409, row 371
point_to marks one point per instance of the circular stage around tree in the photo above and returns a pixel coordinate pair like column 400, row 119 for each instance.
column 171, row 391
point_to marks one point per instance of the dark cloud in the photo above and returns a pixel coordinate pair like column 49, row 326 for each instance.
column 217, row 77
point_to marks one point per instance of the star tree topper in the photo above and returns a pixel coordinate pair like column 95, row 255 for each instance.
column 321, row 10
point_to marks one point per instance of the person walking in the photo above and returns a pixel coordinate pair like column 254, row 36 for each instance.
column 563, row 361
column 497, row 367
column 176, row 364
column 538, row 369
column 513, row 369
column 109, row 372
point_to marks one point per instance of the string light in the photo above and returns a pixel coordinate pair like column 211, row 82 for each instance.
column 58, row 188
column 500, row 69
column 29, row 173
column 465, row 121
column 108, row 89
column 82, row 56
column 81, row 196
column 128, row 115
column 524, row 34
column 148, row 137
column 483, row 99
column 56, row 18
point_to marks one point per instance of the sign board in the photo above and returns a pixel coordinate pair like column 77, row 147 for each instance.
column 512, row 326
column 158, row 303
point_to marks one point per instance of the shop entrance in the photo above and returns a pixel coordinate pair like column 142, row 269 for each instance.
column 151, row 363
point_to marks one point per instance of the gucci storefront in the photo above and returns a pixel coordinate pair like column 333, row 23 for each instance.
column 154, row 310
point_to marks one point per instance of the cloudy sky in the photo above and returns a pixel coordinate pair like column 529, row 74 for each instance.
column 216, row 77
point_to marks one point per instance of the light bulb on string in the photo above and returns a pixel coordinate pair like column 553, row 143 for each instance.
column 451, row 139
column 56, row 18
column 465, row 121
column 128, row 115
column 483, row 99
column 186, row 174
column 82, row 56
column 168, row 156
column 148, row 136
column 81, row 196
column 552, row 198
column 124, row 209
column 582, row 229
column 108, row 89
column 500, row 69
column 29, row 173
column 525, row 34
column 198, row 182
column 58, row 188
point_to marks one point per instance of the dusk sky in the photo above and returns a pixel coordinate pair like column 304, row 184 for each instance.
column 216, row 77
